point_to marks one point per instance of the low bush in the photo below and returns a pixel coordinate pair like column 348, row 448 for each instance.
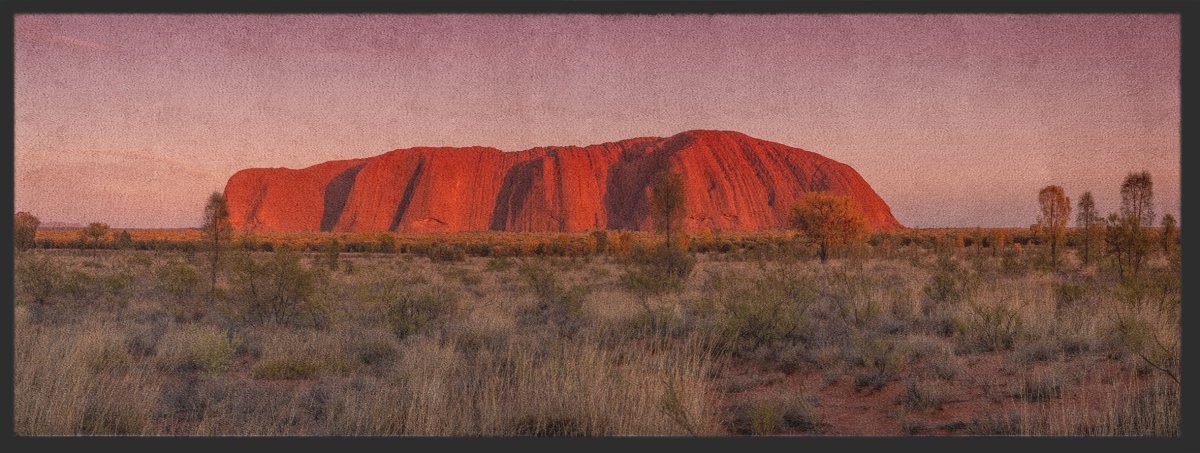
column 197, row 347
column 281, row 289
column 555, row 306
column 947, row 286
column 994, row 326
column 446, row 253
column 37, row 280
column 413, row 312
column 658, row 269
column 922, row 396
column 882, row 360
column 287, row 368
column 774, row 414
column 756, row 312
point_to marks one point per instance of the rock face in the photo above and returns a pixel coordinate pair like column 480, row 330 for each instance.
column 732, row 182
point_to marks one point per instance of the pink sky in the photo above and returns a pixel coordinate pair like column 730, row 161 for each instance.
column 955, row 120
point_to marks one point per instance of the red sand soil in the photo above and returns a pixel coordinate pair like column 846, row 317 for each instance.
column 989, row 385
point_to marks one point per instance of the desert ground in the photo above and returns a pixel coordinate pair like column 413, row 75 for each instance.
column 893, row 337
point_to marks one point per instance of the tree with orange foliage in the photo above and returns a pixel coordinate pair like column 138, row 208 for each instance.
column 829, row 220
column 25, row 227
column 1056, row 211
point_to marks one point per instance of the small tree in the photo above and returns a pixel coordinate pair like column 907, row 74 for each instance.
column 332, row 249
column 1117, row 242
column 217, row 232
column 829, row 220
column 1136, row 217
column 1170, row 234
column 977, row 238
column 1089, row 221
column 1056, row 211
column 386, row 243
column 600, row 241
column 124, row 240
column 25, row 227
column 94, row 234
column 1137, row 199
column 999, row 240
column 667, row 205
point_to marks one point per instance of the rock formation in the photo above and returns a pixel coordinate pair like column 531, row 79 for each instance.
column 732, row 182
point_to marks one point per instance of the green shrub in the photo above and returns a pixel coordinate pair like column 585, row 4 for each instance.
column 287, row 368
column 995, row 327
column 443, row 253
column 499, row 264
column 280, row 289
column 1041, row 387
column 78, row 286
column 760, row 311
column 37, row 280
column 411, row 313
column 197, row 347
column 763, row 420
column 658, row 269
column 370, row 347
column 774, row 414
column 214, row 350
column 179, row 279
column 116, row 288
column 1012, row 263
column 654, row 322
column 1068, row 294
column 921, row 396
column 882, row 360
column 555, row 306
column 947, row 285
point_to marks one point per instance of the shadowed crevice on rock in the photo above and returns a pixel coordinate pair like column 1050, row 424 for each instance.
column 408, row 194
column 517, row 185
column 629, row 181
column 336, row 194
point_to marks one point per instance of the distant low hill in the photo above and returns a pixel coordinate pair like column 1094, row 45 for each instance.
column 733, row 182
column 56, row 224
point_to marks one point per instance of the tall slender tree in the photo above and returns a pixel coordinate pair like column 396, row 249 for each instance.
column 1056, row 211
column 1170, row 234
column 217, row 231
column 667, row 205
column 1137, row 199
column 1088, row 221
column 1137, row 212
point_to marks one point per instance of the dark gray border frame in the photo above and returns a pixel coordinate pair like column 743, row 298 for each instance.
column 326, row 444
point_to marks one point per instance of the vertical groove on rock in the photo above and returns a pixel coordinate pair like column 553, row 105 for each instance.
column 406, row 200
column 336, row 193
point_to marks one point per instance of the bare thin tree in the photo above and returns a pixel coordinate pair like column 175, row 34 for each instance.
column 217, row 232
column 1088, row 221
column 667, row 205
column 1137, row 213
column 1170, row 234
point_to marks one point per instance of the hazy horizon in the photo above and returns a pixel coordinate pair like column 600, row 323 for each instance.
column 954, row 120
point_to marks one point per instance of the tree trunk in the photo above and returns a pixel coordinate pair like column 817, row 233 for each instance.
column 1054, row 251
